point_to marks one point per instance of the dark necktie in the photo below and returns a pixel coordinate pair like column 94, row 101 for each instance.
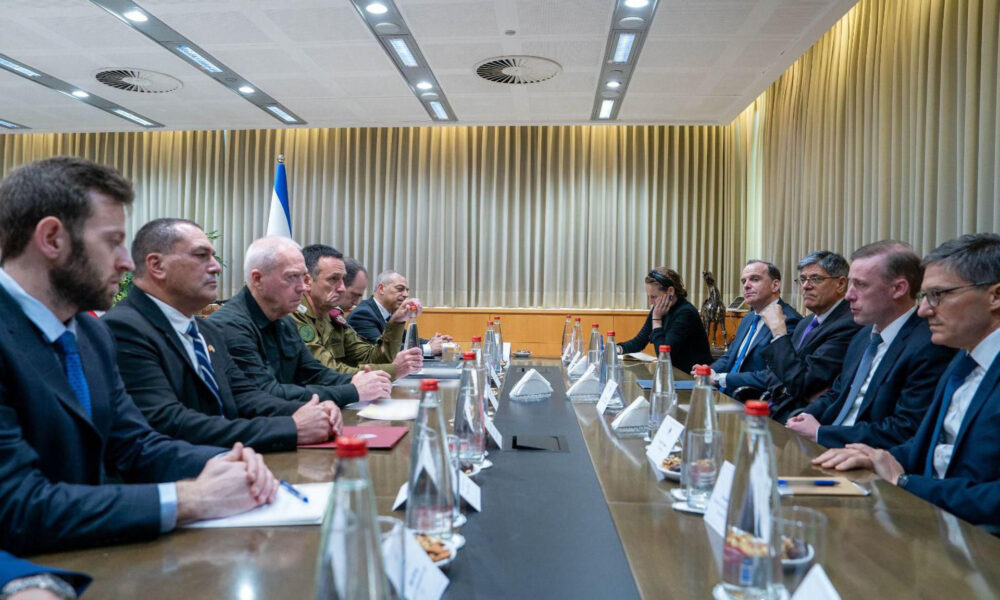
column 812, row 325
column 965, row 366
column 859, row 376
column 745, row 347
column 205, row 365
column 66, row 344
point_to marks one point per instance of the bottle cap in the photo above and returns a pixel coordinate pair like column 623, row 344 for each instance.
column 496, row 318
column 664, row 348
column 469, row 356
column 569, row 316
column 595, row 325
column 428, row 385
column 578, row 319
column 489, row 323
column 757, row 408
column 611, row 333
column 703, row 370
column 477, row 338
column 351, row 447
column 413, row 309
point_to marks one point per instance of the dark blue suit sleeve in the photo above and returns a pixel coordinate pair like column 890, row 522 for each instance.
column 12, row 568
column 365, row 324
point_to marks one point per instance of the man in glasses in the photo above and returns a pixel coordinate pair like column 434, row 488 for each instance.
column 953, row 460
column 890, row 368
column 804, row 361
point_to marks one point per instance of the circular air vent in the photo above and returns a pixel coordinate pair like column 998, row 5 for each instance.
column 137, row 80
column 517, row 70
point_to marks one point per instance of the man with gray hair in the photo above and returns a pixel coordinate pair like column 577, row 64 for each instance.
column 263, row 339
column 369, row 319
column 805, row 363
column 890, row 367
column 953, row 461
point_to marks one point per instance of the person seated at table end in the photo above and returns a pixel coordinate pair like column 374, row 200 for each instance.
column 370, row 317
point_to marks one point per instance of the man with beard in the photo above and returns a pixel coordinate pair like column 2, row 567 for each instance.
column 66, row 421
column 177, row 367
column 331, row 340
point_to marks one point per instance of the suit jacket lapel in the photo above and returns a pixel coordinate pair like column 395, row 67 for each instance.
column 892, row 354
column 987, row 387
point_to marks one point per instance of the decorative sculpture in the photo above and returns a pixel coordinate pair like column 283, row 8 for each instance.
column 713, row 311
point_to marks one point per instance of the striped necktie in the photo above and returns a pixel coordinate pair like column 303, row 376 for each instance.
column 66, row 344
column 204, row 364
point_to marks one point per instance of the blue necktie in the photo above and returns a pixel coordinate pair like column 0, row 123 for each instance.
column 204, row 364
column 859, row 376
column 962, row 370
column 744, row 348
column 812, row 325
column 66, row 344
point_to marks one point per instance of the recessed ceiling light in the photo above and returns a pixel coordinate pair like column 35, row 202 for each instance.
column 636, row 3
column 606, row 107
column 402, row 50
column 424, row 85
column 246, row 89
column 13, row 66
column 284, row 116
column 10, row 125
column 198, row 59
column 439, row 110
column 135, row 15
column 80, row 94
column 135, row 118
column 614, row 84
column 624, row 47
column 377, row 8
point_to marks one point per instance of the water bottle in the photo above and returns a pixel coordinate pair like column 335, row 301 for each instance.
column 429, row 503
column 595, row 347
column 577, row 337
column 664, row 397
column 498, row 334
column 350, row 554
column 611, row 360
column 564, row 340
column 411, row 339
column 701, row 411
column 751, row 557
column 470, row 414
column 613, row 370
column 489, row 347
column 477, row 349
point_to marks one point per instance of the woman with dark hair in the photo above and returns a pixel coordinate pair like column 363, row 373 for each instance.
column 672, row 321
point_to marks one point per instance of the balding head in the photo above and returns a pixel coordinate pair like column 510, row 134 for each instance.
column 391, row 289
column 275, row 272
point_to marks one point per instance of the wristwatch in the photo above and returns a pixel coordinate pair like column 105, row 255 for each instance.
column 42, row 581
column 902, row 480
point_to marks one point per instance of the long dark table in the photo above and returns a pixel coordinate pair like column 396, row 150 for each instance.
column 592, row 522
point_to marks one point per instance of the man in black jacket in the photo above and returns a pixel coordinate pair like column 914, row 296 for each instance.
column 177, row 367
column 264, row 341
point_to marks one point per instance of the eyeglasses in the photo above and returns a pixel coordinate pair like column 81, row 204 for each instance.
column 934, row 296
column 814, row 279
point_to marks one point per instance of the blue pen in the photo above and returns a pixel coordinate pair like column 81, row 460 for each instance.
column 815, row 482
column 291, row 490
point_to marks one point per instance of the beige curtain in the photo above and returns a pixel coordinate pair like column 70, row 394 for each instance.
column 474, row 216
column 886, row 128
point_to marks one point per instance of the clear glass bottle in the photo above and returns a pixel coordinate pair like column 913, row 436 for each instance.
column 489, row 347
column 751, row 557
column 613, row 370
column 411, row 339
column 595, row 346
column 470, row 414
column 578, row 337
column 701, row 411
column 429, row 503
column 611, row 359
column 349, row 563
column 664, row 397
column 477, row 349
column 565, row 339
column 498, row 332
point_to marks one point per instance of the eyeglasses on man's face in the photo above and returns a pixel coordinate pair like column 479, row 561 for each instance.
column 814, row 279
column 934, row 297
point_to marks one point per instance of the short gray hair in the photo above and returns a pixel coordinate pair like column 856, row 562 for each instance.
column 263, row 254
column 975, row 257
column 834, row 264
column 385, row 277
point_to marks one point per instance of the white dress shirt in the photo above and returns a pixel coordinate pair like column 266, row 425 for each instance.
column 180, row 323
column 385, row 317
column 888, row 335
column 720, row 378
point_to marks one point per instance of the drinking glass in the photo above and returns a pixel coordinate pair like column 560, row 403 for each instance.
column 803, row 536
column 700, row 466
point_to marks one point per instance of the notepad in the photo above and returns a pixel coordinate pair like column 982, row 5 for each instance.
column 683, row 384
column 285, row 510
column 377, row 438
column 391, row 410
column 640, row 356
column 806, row 486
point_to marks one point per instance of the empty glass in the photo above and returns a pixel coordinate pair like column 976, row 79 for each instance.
column 803, row 541
column 700, row 465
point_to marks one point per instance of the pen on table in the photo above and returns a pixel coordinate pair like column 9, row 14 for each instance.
column 291, row 490
column 815, row 482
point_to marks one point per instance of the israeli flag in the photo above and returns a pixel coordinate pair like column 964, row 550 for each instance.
column 279, row 221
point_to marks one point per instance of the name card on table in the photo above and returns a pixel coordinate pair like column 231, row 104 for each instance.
column 400, row 500
column 718, row 502
column 470, row 491
column 424, row 581
column 492, row 397
column 663, row 442
column 816, row 586
column 607, row 396
column 494, row 433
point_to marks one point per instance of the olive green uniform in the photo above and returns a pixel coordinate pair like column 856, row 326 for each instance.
column 333, row 343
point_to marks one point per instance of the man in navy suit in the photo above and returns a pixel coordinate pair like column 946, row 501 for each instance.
column 66, row 423
column 23, row 580
column 177, row 367
column 805, row 362
column 891, row 366
column 743, row 364
column 953, row 461
column 370, row 317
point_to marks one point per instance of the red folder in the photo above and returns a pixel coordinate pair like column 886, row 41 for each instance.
column 378, row 438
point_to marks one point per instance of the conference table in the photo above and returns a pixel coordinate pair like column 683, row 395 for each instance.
column 587, row 519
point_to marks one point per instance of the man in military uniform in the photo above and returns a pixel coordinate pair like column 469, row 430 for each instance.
column 325, row 331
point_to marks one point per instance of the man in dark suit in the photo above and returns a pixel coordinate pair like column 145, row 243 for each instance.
column 264, row 341
column 177, row 368
column 66, row 422
column 23, row 580
column 804, row 364
column 953, row 461
column 890, row 368
column 370, row 317
column 743, row 365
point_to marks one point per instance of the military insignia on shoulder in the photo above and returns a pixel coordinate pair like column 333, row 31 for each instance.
column 307, row 333
column 340, row 320
column 302, row 308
